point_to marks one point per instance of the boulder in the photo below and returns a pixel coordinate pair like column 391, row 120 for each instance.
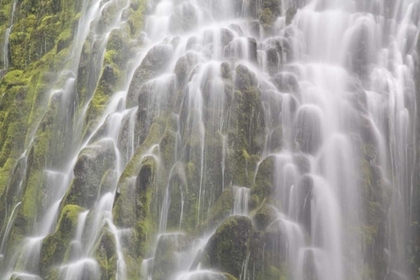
column 228, row 248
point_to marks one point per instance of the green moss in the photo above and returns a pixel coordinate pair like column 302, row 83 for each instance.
column 228, row 248
column 93, row 163
column 229, row 277
column 136, row 18
column 246, row 126
column 220, row 210
column 37, row 26
column 54, row 246
column 167, row 147
column 106, row 255
column 376, row 194
column 263, row 185
column 267, row 18
column 64, row 40
column 132, row 207
column 133, row 167
column 106, row 87
column 264, row 216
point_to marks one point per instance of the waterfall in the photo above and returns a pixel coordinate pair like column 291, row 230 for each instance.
column 7, row 37
column 240, row 205
column 211, row 140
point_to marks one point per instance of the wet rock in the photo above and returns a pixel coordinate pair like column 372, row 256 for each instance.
column 283, row 46
column 237, row 29
column 244, row 78
column 276, row 138
column 393, row 275
column 90, row 167
column 228, row 248
column 302, row 162
column 276, row 236
column 286, row 82
column 290, row 14
column 264, row 216
column 166, row 258
column 2, row 73
column 368, row 131
column 253, row 51
column 106, row 254
column 267, row 18
column 273, row 60
column 152, row 65
column 184, row 19
column 183, row 68
column 226, row 71
column 308, row 129
column 54, row 246
column 226, row 36
column 254, row 28
column 23, row 277
column 220, row 210
column 273, row 5
column 265, row 260
column 360, row 51
column 154, row 99
column 109, row 180
column 263, row 186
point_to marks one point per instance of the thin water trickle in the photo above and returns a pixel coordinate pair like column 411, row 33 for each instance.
column 7, row 37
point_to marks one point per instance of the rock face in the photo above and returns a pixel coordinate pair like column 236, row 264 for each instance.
column 153, row 64
column 127, row 126
column 89, row 170
column 227, row 249
column 52, row 252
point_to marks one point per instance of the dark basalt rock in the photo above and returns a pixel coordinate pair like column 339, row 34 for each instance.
column 226, row 36
column 264, row 216
column 273, row 60
column 244, row 78
column 286, row 82
column 166, row 260
column 253, row 50
column 254, row 27
column 237, row 29
column 90, row 167
column 308, row 129
column 228, row 248
column 152, row 65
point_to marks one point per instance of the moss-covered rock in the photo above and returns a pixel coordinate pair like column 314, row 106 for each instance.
column 228, row 248
column 166, row 258
column 106, row 255
column 264, row 216
column 133, row 209
column 153, row 64
column 263, row 185
column 220, row 210
column 90, row 167
column 54, row 246
column 246, row 127
column 376, row 195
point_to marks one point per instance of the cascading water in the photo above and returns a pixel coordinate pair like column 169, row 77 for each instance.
column 7, row 37
column 243, row 140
